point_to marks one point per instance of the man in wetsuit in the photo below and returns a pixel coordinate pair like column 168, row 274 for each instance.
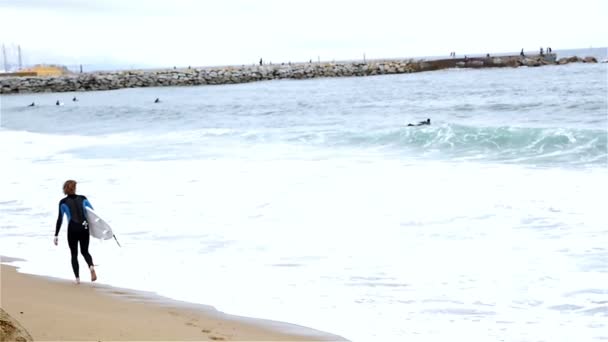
column 73, row 206
column 421, row 123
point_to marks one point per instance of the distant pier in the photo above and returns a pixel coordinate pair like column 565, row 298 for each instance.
column 12, row 83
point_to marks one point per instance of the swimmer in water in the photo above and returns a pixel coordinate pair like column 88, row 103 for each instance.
column 421, row 123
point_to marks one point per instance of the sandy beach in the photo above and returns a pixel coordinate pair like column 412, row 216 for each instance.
column 54, row 309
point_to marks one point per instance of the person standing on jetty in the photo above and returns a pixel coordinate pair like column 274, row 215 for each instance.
column 73, row 206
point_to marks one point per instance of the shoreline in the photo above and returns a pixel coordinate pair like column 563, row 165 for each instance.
column 56, row 309
column 106, row 80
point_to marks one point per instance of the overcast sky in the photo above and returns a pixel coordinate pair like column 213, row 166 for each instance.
column 189, row 32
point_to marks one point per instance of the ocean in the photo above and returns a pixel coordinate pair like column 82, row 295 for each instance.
column 312, row 202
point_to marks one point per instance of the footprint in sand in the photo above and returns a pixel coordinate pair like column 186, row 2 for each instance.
column 217, row 338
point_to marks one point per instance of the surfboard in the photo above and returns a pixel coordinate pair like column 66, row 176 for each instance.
column 98, row 228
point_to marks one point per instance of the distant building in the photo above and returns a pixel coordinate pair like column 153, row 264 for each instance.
column 46, row 70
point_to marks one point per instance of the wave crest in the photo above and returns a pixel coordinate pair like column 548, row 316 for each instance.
column 505, row 143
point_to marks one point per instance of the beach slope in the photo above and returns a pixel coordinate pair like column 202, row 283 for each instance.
column 54, row 309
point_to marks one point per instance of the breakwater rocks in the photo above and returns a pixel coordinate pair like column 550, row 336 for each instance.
column 243, row 74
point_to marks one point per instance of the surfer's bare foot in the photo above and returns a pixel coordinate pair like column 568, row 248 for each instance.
column 77, row 281
column 93, row 274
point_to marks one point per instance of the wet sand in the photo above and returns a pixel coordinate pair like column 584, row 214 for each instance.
column 56, row 309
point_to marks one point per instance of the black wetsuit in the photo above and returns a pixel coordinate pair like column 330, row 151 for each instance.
column 73, row 207
column 421, row 123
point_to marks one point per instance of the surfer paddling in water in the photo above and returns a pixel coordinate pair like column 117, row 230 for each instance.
column 73, row 206
column 421, row 123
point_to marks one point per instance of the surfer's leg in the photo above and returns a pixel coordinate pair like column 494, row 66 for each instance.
column 84, row 249
column 73, row 243
column 93, row 274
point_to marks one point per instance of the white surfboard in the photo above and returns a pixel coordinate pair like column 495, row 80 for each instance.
column 98, row 228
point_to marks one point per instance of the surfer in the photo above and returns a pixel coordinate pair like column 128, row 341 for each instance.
column 75, row 99
column 421, row 123
column 157, row 100
column 73, row 207
column 32, row 104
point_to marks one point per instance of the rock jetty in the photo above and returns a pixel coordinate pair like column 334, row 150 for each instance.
column 243, row 74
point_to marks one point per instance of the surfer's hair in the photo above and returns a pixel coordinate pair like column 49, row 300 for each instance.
column 69, row 187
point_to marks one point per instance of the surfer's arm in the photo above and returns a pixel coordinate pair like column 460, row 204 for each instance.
column 63, row 208
column 87, row 204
